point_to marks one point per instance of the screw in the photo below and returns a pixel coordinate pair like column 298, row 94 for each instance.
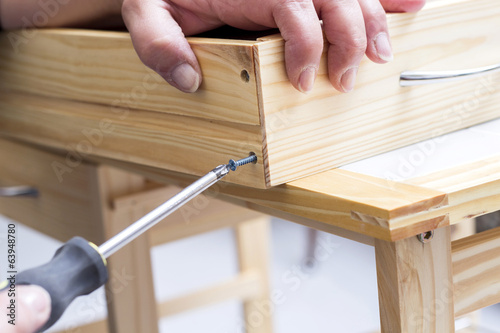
column 426, row 237
column 234, row 164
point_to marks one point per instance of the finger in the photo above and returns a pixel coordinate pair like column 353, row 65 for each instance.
column 346, row 34
column 32, row 310
column 378, row 45
column 402, row 5
column 300, row 27
column 161, row 44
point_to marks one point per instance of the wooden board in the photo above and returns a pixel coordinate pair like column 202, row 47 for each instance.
column 180, row 143
column 102, row 67
column 86, row 75
column 476, row 271
column 306, row 134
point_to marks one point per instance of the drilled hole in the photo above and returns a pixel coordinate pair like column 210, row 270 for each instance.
column 252, row 154
column 245, row 76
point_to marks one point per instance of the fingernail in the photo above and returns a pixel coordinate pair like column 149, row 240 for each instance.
column 185, row 78
column 37, row 300
column 348, row 79
column 383, row 47
column 306, row 79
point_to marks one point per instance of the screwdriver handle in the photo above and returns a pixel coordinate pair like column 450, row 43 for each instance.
column 76, row 269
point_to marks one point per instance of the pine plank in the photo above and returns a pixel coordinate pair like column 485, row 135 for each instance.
column 473, row 189
column 476, row 271
column 306, row 134
column 173, row 142
column 102, row 67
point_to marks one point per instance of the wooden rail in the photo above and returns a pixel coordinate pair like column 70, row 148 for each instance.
column 476, row 271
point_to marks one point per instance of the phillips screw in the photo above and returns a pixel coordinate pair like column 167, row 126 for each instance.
column 426, row 237
column 234, row 164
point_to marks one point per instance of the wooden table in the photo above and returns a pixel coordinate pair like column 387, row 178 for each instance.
column 423, row 286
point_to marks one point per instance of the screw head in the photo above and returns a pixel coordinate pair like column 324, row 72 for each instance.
column 426, row 237
column 232, row 165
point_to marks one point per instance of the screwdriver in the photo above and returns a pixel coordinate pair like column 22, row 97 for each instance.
column 79, row 267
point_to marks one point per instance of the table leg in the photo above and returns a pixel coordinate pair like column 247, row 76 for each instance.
column 415, row 284
column 130, row 290
column 252, row 239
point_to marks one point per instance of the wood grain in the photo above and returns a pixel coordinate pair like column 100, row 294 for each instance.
column 294, row 134
column 327, row 201
column 306, row 134
column 102, row 67
column 476, row 271
column 173, row 142
column 473, row 189
column 415, row 284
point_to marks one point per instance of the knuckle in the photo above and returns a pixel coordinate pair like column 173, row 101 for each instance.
column 377, row 21
column 356, row 44
column 294, row 5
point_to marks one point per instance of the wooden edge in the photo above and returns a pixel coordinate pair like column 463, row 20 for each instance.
column 330, row 212
column 473, row 189
column 476, row 271
column 328, row 228
column 245, row 286
column 260, row 103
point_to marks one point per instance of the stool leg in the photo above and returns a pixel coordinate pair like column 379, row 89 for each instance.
column 253, row 241
column 130, row 290
column 415, row 284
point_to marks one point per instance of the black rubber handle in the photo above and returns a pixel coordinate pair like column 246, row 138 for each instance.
column 76, row 269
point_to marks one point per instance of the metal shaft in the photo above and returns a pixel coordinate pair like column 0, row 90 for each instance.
column 143, row 224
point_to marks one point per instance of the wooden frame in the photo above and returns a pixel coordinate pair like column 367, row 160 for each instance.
column 168, row 137
column 246, row 103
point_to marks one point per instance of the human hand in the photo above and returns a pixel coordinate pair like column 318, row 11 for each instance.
column 352, row 27
column 32, row 309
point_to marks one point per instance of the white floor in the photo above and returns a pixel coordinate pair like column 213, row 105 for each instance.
column 339, row 295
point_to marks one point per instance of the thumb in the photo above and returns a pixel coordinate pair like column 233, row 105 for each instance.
column 160, row 43
column 32, row 310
